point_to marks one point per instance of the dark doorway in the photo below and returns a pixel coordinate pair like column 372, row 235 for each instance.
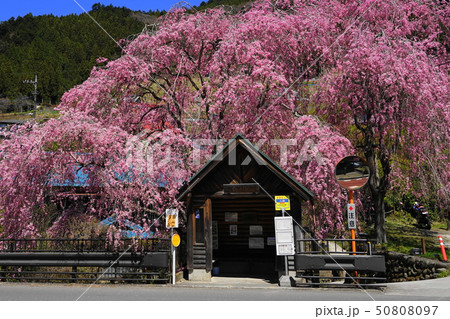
column 244, row 237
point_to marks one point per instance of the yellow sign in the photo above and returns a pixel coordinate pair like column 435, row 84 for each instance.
column 176, row 240
column 171, row 221
column 171, row 218
column 282, row 201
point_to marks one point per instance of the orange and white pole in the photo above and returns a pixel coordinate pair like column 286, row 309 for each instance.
column 350, row 201
column 441, row 243
column 352, row 231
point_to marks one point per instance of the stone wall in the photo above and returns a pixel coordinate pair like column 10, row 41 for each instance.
column 402, row 267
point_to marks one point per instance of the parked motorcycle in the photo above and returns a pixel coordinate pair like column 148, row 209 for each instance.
column 423, row 218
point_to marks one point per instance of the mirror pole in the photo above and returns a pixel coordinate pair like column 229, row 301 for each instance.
column 350, row 200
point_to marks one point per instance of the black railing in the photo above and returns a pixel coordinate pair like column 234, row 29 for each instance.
column 83, row 245
column 331, row 262
column 131, row 260
column 333, row 246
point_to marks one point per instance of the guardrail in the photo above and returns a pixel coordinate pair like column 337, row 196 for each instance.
column 331, row 262
column 75, row 260
column 82, row 245
column 333, row 246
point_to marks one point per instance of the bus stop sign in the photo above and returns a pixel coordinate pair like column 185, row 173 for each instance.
column 281, row 202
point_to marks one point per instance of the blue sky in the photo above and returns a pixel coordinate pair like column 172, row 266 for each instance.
column 15, row 8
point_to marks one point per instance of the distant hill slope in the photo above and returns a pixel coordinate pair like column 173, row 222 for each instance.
column 63, row 50
column 60, row 50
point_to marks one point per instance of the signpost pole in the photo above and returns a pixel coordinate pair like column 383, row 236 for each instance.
column 172, row 222
column 286, row 265
column 352, row 231
column 173, row 258
column 350, row 200
column 284, row 238
column 352, row 173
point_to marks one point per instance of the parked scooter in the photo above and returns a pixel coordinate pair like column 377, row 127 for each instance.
column 422, row 216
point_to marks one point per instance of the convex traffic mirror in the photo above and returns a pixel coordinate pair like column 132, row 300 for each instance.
column 352, row 172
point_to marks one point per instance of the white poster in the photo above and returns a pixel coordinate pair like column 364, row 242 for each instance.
column 231, row 217
column 270, row 241
column 284, row 237
column 256, row 230
column 256, row 243
column 283, row 223
column 285, row 250
column 233, row 230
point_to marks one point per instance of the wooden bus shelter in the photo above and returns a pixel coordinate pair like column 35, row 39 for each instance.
column 230, row 215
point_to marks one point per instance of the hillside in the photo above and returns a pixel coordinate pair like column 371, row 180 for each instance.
column 60, row 50
column 63, row 50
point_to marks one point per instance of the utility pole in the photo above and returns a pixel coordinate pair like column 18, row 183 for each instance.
column 35, row 93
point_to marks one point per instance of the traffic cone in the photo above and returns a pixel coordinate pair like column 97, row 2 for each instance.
column 441, row 243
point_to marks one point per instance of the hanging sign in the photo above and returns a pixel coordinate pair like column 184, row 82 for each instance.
column 351, row 216
column 282, row 201
column 171, row 218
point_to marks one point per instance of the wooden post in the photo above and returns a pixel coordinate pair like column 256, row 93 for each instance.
column 208, row 233
column 190, row 235
column 424, row 247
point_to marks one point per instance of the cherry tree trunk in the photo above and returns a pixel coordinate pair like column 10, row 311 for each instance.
column 380, row 217
column 378, row 188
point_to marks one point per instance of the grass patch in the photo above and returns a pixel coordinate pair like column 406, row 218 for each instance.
column 41, row 114
column 404, row 235
column 437, row 224
column 444, row 274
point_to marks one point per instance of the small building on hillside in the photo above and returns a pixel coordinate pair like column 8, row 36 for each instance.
column 230, row 213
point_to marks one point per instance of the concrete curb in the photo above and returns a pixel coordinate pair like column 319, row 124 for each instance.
column 439, row 288
column 231, row 283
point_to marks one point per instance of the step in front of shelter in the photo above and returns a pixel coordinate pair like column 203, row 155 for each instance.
column 252, row 268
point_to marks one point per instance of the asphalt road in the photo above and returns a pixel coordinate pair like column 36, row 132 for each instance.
column 433, row 290
column 201, row 300
column 140, row 293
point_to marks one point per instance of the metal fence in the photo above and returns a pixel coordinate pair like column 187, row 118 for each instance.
column 333, row 246
column 83, row 245
column 75, row 260
column 334, row 262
